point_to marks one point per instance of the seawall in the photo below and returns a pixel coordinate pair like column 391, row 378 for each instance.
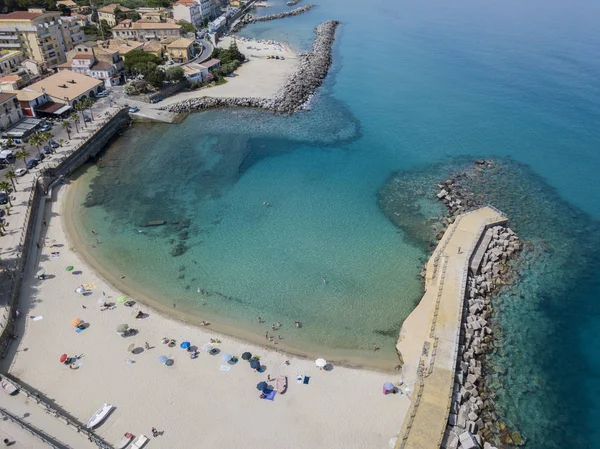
column 430, row 338
column 250, row 19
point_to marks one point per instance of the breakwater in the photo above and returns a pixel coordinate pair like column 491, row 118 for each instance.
column 247, row 19
column 293, row 2
column 300, row 86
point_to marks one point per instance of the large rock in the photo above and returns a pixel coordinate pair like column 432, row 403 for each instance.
column 467, row 441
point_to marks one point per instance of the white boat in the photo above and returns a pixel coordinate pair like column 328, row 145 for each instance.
column 99, row 416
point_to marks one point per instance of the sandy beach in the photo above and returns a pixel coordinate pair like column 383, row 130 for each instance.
column 202, row 402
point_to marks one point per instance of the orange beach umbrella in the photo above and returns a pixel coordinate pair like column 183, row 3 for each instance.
column 75, row 322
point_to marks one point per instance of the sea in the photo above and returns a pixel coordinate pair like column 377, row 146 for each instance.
column 282, row 217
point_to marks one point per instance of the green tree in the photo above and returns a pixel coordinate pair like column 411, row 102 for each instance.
column 79, row 107
column 87, row 104
column 67, row 127
column 186, row 27
column 155, row 78
column 73, row 117
column 22, row 154
column 12, row 177
column 61, row 142
column 5, row 186
column 36, row 140
column 174, row 74
column 140, row 58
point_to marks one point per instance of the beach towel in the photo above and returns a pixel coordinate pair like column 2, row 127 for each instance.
column 306, row 380
column 89, row 286
column 79, row 331
column 37, row 318
column 299, row 379
column 269, row 395
column 225, row 368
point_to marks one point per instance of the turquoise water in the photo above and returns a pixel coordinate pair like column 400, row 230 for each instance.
column 413, row 84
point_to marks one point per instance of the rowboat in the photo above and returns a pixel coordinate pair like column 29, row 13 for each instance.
column 124, row 442
column 281, row 384
column 99, row 416
column 8, row 387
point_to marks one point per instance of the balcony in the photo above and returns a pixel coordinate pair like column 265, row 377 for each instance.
column 7, row 45
column 9, row 37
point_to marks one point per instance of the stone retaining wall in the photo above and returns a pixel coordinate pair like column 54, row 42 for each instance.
column 312, row 70
column 251, row 19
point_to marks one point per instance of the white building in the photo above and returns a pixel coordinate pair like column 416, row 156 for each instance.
column 189, row 11
column 10, row 111
column 205, row 9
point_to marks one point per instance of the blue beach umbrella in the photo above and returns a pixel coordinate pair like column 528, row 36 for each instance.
column 163, row 359
column 255, row 364
column 185, row 345
column 226, row 357
column 389, row 386
column 261, row 386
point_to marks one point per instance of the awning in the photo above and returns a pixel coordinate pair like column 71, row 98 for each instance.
column 53, row 108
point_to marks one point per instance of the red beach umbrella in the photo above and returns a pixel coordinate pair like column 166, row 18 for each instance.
column 63, row 358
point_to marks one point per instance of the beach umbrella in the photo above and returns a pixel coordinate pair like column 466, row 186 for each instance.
column 40, row 273
column 255, row 364
column 63, row 358
column 262, row 386
column 163, row 359
column 75, row 322
column 226, row 357
column 246, row 356
column 131, row 347
column 122, row 299
column 185, row 345
column 69, row 268
column 122, row 327
column 80, row 289
column 207, row 347
column 388, row 386
column 320, row 363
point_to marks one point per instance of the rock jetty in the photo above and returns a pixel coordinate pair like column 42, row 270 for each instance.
column 248, row 18
column 472, row 422
column 300, row 86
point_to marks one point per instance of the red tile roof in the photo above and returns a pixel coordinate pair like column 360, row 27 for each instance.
column 5, row 97
column 82, row 56
column 20, row 15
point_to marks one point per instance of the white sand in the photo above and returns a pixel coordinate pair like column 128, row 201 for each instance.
column 193, row 402
column 260, row 77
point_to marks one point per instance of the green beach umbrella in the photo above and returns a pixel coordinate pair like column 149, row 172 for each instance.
column 122, row 299
column 70, row 267
column 122, row 327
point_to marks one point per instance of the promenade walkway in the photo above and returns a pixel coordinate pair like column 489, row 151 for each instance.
column 430, row 335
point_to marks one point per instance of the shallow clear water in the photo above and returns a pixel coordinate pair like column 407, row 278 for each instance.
column 413, row 84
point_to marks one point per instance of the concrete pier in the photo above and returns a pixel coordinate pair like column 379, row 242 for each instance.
column 429, row 338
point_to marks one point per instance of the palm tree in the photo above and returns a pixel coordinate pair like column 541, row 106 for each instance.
column 36, row 141
column 88, row 103
column 11, row 176
column 73, row 117
column 22, row 154
column 5, row 186
column 47, row 136
column 61, row 142
column 80, row 107
column 67, row 126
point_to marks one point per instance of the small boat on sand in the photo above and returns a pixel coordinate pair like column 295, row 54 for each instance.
column 124, row 442
column 99, row 416
column 281, row 384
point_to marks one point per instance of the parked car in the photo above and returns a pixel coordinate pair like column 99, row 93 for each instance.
column 156, row 100
column 47, row 149
column 20, row 171
column 46, row 127
column 133, row 109
column 7, row 157
column 3, row 197
column 39, row 157
column 87, row 119
column 54, row 144
column 31, row 163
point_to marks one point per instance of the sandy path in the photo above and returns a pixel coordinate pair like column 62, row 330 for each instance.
column 193, row 401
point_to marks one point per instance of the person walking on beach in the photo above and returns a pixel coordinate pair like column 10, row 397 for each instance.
column 267, row 335
column 146, row 345
column 154, row 432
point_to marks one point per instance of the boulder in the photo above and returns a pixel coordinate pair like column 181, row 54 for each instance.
column 467, row 441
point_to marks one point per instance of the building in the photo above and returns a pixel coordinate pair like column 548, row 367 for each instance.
column 82, row 19
column 14, row 81
column 154, row 47
column 100, row 53
column 189, row 11
column 40, row 35
column 182, row 50
column 67, row 3
column 68, row 87
column 35, row 68
column 121, row 46
column 217, row 24
column 110, row 13
column 205, row 10
column 29, row 101
column 142, row 31
column 196, row 73
column 9, row 61
column 155, row 15
column 86, row 64
column 212, row 64
column 10, row 111
column 215, row 8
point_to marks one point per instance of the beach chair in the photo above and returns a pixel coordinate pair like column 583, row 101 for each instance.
column 139, row 441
